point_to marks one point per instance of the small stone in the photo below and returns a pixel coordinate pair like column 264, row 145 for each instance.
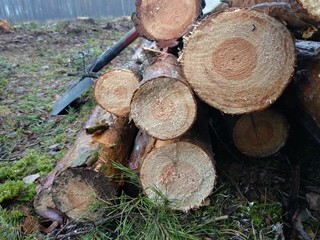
column 31, row 178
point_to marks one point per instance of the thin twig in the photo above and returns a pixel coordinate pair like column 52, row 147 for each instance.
column 236, row 186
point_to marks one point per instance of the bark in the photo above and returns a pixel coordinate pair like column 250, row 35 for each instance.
column 97, row 151
column 116, row 145
column 76, row 190
column 163, row 105
column 239, row 61
column 84, row 151
column 165, row 21
column 182, row 170
column 113, row 90
column 143, row 145
column 260, row 134
column 298, row 14
column 45, row 207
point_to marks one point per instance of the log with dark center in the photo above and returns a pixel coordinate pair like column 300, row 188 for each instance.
column 298, row 14
column 181, row 170
column 260, row 134
column 113, row 90
column 165, row 21
column 239, row 61
column 163, row 105
column 76, row 190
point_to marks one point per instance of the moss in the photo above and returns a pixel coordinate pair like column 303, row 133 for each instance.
column 10, row 190
column 11, row 175
column 33, row 162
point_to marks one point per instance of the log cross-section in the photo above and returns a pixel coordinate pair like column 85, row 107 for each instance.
column 239, row 61
column 113, row 90
column 163, row 105
column 181, row 170
column 166, row 20
column 260, row 134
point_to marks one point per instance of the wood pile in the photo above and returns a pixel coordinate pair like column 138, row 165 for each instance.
column 238, row 61
column 5, row 26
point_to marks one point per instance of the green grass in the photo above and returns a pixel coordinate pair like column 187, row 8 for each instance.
column 9, row 224
column 140, row 218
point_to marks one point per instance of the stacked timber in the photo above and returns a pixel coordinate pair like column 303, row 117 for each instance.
column 238, row 61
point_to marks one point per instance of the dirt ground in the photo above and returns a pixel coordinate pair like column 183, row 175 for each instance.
column 35, row 63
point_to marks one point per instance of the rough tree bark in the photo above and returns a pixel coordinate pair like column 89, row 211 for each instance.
column 239, row 61
column 260, row 134
column 163, row 105
column 116, row 145
column 84, row 152
column 165, row 21
column 143, row 145
column 298, row 14
column 96, row 151
column 45, row 207
column 182, row 169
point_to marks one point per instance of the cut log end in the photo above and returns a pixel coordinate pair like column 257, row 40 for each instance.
column 312, row 7
column 75, row 191
column 239, row 61
column 309, row 91
column 113, row 91
column 183, row 172
column 165, row 21
column 260, row 134
column 165, row 108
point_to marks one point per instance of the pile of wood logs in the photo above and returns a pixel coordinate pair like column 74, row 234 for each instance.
column 238, row 60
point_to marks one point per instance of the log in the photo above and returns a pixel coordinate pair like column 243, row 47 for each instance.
column 165, row 21
column 113, row 90
column 45, row 207
column 84, row 152
column 239, row 61
column 96, row 152
column 309, row 91
column 5, row 26
column 260, row 134
column 163, row 105
column 75, row 190
column 99, row 149
column 143, row 145
column 298, row 14
column 116, row 146
column 182, row 170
